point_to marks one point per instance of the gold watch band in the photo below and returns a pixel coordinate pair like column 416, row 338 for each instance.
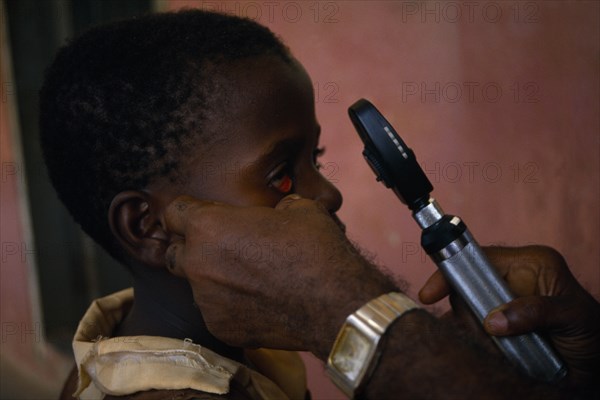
column 356, row 349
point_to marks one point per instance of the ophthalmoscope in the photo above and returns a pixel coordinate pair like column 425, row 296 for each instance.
column 447, row 240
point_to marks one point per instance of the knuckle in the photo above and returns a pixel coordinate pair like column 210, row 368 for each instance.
column 533, row 308
column 204, row 218
column 522, row 315
column 549, row 257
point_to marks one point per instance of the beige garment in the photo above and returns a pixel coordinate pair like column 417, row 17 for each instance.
column 128, row 364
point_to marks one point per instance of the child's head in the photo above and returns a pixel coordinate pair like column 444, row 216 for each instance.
column 137, row 112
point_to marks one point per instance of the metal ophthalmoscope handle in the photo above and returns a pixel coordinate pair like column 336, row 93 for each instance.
column 447, row 240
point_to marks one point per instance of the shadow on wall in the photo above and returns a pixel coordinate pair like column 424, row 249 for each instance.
column 49, row 270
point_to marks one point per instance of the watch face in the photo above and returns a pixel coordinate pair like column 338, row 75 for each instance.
column 351, row 353
column 356, row 347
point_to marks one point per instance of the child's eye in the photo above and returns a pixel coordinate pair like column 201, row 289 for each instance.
column 318, row 152
column 282, row 180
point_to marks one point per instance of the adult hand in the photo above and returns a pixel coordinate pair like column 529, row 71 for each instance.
column 283, row 277
column 288, row 277
column 549, row 300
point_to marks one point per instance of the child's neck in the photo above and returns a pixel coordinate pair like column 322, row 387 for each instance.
column 164, row 306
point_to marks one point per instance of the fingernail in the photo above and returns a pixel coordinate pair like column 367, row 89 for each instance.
column 497, row 322
column 294, row 196
column 424, row 294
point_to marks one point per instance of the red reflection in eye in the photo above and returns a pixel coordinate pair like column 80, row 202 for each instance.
column 284, row 184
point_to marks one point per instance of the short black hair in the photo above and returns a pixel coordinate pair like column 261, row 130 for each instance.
column 120, row 104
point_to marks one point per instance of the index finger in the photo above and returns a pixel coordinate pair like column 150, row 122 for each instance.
column 179, row 213
column 506, row 258
column 435, row 289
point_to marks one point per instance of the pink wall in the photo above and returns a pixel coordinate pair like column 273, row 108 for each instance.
column 29, row 367
column 510, row 134
column 517, row 157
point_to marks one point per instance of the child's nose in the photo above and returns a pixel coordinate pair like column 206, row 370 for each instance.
column 327, row 194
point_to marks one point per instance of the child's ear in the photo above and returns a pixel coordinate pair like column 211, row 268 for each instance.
column 135, row 221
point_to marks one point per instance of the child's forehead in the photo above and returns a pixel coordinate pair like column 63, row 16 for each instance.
column 257, row 98
column 254, row 76
column 263, row 89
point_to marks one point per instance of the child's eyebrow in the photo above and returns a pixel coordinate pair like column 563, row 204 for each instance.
column 289, row 144
column 283, row 146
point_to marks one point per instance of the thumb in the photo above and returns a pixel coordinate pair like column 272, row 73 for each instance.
column 287, row 201
column 525, row 314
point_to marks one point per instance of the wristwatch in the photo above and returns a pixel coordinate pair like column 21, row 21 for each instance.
column 357, row 347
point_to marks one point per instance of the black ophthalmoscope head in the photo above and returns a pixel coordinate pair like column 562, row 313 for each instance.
column 390, row 158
